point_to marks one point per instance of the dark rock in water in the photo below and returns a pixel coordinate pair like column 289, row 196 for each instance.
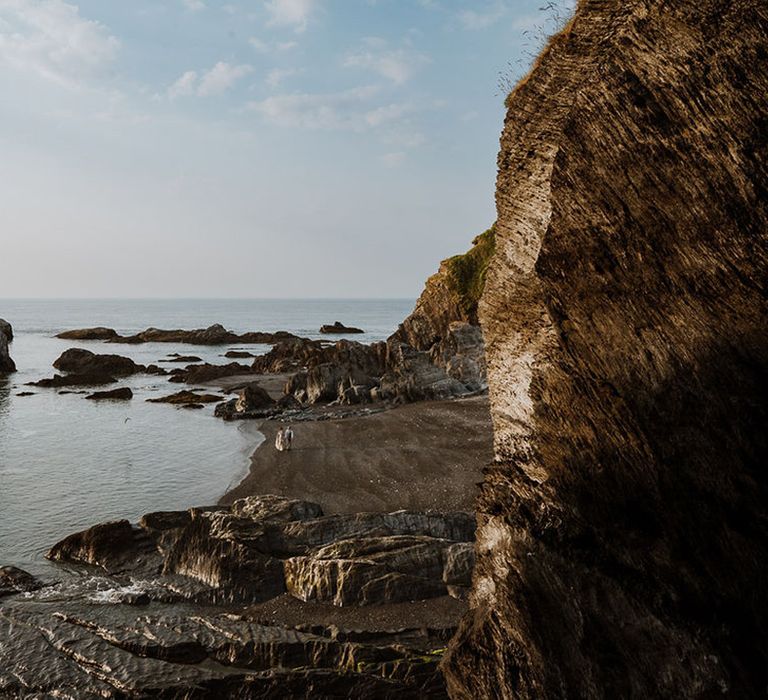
column 63, row 393
column 113, row 546
column 26, row 393
column 195, row 374
column 213, row 335
column 98, row 333
column 187, row 397
column 121, row 394
column 79, row 361
column 339, row 327
column 154, row 369
column 623, row 526
column 13, row 580
column 75, row 380
column 6, row 329
column 193, row 406
column 238, row 354
column 252, row 402
column 183, row 359
column 6, row 363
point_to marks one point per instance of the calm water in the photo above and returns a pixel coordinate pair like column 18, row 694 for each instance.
column 67, row 463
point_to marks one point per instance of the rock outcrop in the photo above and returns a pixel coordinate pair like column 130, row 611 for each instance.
column 252, row 402
column 122, row 394
column 623, row 528
column 339, row 328
column 369, row 591
column 195, row 374
column 6, row 335
column 6, row 329
column 97, row 333
column 79, row 361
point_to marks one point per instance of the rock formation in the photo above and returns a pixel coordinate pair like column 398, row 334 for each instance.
column 6, row 329
column 339, row 328
column 6, row 335
column 122, row 394
column 213, row 335
column 375, row 596
column 79, row 361
column 623, row 528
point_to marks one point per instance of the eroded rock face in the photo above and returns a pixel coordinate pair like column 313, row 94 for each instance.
column 7, row 329
column 623, row 527
column 6, row 362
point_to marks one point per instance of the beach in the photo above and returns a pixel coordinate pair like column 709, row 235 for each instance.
column 422, row 456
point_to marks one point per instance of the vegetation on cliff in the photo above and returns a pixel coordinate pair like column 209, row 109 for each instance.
column 466, row 273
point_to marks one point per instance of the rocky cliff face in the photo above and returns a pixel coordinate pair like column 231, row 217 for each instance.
column 623, row 532
column 6, row 335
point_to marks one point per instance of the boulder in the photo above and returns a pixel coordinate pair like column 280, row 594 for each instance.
column 623, row 524
column 252, row 402
column 181, row 398
column 196, row 374
column 121, row 394
column 13, row 580
column 75, row 380
column 183, row 359
column 98, row 333
column 339, row 328
column 79, row 361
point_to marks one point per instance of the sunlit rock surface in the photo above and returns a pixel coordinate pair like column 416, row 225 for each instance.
column 622, row 531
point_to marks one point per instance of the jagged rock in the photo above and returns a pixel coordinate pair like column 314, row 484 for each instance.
column 74, row 380
column 6, row 329
column 98, row 333
column 339, row 327
column 412, row 376
column 121, row 394
column 372, row 570
column 463, row 354
column 196, row 374
column 79, row 361
column 186, row 397
column 252, row 402
column 238, row 354
column 13, row 580
column 623, row 526
column 6, row 363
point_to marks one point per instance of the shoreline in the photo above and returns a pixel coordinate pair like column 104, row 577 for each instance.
column 419, row 456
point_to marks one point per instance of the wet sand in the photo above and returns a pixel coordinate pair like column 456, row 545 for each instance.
column 419, row 456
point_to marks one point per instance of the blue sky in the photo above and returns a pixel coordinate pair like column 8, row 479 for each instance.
column 260, row 148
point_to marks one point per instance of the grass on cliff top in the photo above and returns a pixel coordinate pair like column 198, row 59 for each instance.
column 467, row 272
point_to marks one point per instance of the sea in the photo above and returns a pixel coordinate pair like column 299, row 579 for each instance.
column 67, row 463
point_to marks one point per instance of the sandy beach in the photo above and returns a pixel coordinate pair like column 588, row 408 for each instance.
column 428, row 455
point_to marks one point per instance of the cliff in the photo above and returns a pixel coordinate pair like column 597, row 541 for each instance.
column 6, row 335
column 623, row 533
column 450, row 295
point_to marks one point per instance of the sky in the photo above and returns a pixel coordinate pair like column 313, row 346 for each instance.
column 249, row 148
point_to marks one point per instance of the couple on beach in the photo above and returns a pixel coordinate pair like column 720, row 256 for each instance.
column 284, row 439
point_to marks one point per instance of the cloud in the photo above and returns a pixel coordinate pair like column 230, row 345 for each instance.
column 269, row 47
column 289, row 13
column 50, row 38
column 277, row 75
column 475, row 20
column 392, row 160
column 214, row 81
column 194, row 5
column 349, row 110
column 397, row 65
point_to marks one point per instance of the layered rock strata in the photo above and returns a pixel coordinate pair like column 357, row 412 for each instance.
column 623, row 528
column 148, row 622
